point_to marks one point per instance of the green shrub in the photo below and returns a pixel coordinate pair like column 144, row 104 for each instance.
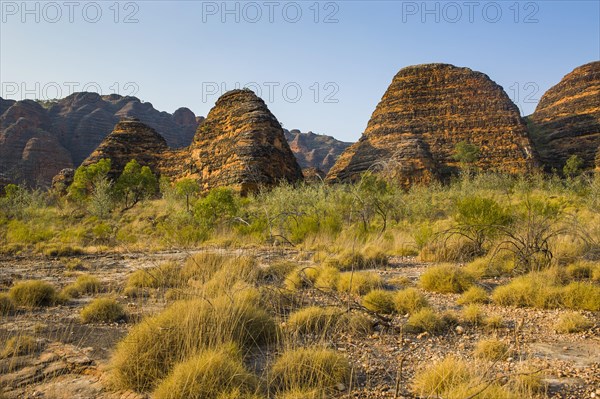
column 409, row 300
column 572, row 323
column 314, row 320
column 473, row 295
column 208, row 375
column 308, row 368
column 155, row 345
column 33, row 293
column 379, row 301
column 7, row 305
column 359, row 283
column 491, row 349
column 446, row 279
column 103, row 310
column 426, row 319
column 18, row 346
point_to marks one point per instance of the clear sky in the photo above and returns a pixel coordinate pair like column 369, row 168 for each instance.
column 320, row 66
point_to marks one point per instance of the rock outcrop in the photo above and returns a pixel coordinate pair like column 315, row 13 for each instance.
column 29, row 152
column 37, row 142
column 429, row 109
column 315, row 150
column 566, row 121
column 130, row 139
column 240, row 144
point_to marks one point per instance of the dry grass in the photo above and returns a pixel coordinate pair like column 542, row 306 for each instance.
column 572, row 323
column 446, row 279
column 314, row 320
column 359, row 283
column 18, row 345
column 208, row 374
column 474, row 294
column 472, row 314
column 84, row 284
column 491, row 349
column 33, row 293
column 409, row 300
column 379, row 301
column 426, row 320
column 309, row 368
column 103, row 310
column 7, row 305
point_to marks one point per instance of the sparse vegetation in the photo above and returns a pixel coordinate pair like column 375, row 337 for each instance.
column 18, row 345
column 409, row 300
column 491, row 349
column 427, row 320
column 7, row 305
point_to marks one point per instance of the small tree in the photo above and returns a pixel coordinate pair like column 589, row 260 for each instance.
column 220, row 203
column 187, row 188
column 467, row 155
column 573, row 166
column 135, row 184
column 86, row 177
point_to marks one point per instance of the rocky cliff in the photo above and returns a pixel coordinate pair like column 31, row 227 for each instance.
column 37, row 142
column 315, row 150
column 130, row 139
column 426, row 111
column 567, row 119
column 240, row 145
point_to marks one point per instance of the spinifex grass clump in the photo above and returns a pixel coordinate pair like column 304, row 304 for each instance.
column 572, row 323
column 103, row 310
column 446, row 279
column 33, row 293
column 491, row 349
column 409, row 300
column 155, row 345
column 309, row 368
column 85, row 284
column 18, row 346
column 212, row 373
column 379, row 301
column 426, row 319
column 314, row 320
column 7, row 305
column 359, row 283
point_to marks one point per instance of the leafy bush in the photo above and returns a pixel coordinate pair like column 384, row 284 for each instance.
column 308, row 368
column 207, row 375
column 446, row 279
column 572, row 323
column 379, row 301
column 491, row 349
column 103, row 310
column 359, row 283
column 473, row 295
column 33, row 293
column 409, row 300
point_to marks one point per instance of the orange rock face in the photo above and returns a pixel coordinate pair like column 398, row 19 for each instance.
column 130, row 139
column 566, row 122
column 315, row 150
column 240, row 145
column 427, row 110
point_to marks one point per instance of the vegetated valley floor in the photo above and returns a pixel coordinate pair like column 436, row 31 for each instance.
column 71, row 358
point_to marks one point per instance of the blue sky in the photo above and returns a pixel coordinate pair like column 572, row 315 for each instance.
column 320, row 66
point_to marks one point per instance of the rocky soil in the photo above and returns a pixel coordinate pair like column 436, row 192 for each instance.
column 71, row 357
